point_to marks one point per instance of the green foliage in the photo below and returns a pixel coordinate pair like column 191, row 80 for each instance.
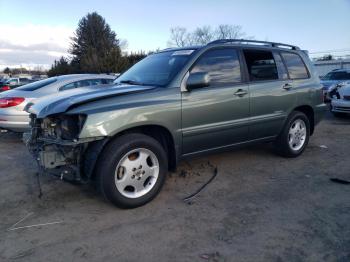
column 60, row 67
column 94, row 49
column 7, row 70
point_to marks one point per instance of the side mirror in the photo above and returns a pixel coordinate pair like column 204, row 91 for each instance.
column 197, row 80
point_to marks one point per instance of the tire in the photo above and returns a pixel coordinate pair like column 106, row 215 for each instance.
column 131, row 170
column 284, row 144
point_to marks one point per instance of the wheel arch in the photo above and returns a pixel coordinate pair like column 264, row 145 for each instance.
column 309, row 112
column 158, row 132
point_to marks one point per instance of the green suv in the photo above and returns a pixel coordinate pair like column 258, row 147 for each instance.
column 174, row 104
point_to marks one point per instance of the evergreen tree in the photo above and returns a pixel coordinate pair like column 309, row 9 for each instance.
column 60, row 67
column 95, row 47
column 7, row 71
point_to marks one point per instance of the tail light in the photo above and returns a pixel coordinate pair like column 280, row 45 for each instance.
column 5, row 88
column 10, row 101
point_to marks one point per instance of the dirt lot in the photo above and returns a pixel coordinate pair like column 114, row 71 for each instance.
column 260, row 207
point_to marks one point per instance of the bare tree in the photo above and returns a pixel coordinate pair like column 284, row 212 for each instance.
column 203, row 35
column 229, row 32
column 180, row 37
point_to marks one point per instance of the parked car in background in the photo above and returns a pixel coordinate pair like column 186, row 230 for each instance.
column 14, row 82
column 340, row 98
column 12, row 102
column 172, row 105
column 333, row 78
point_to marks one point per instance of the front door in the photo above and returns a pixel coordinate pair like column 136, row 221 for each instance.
column 218, row 115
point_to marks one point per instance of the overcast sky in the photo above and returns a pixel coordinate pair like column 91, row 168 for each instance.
column 37, row 32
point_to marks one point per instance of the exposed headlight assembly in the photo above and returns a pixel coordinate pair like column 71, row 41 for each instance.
column 65, row 127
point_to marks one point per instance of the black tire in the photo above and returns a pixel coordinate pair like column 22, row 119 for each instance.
column 108, row 162
column 282, row 142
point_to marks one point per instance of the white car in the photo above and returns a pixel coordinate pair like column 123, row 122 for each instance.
column 12, row 102
column 340, row 98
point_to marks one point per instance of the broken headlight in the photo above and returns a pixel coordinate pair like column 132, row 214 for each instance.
column 65, row 127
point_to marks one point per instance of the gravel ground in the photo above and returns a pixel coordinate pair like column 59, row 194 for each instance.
column 260, row 207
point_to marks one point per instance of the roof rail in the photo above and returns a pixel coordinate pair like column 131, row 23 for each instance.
column 246, row 41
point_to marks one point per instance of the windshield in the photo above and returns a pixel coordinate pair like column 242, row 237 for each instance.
column 37, row 85
column 157, row 69
column 337, row 76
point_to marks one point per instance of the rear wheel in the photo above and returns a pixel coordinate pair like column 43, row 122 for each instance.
column 132, row 170
column 295, row 135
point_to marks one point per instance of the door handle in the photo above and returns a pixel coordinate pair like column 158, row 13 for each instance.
column 240, row 93
column 287, row 86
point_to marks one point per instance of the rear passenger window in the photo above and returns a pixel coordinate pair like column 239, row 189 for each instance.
column 296, row 67
column 261, row 65
column 222, row 65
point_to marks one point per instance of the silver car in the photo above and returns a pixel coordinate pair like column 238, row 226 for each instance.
column 12, row 102
column 333, row 78
column 340, row 98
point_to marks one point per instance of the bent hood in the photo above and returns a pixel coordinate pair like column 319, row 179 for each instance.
column 61, row 102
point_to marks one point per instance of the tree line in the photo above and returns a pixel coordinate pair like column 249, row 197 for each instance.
column 95, row 47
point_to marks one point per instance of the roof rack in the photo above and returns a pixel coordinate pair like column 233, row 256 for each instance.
column 246, row 41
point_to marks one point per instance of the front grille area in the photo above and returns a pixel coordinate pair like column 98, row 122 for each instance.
column 346, row 97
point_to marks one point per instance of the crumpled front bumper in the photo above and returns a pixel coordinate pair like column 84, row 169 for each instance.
column 340, row 106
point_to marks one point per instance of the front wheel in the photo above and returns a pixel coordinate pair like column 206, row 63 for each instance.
column 131, row 170
column 295, row 135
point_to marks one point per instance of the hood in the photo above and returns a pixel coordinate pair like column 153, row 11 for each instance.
column 328, row 83
column 61, row 102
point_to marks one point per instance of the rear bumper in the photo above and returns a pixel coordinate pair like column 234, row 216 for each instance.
column 340, row 106
column 17, row 123
column 319, row 111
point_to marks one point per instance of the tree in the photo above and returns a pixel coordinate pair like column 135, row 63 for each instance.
column 229, row 32
column 180, row 37
column 60, row 67
column 95, row 47
column 7, row 71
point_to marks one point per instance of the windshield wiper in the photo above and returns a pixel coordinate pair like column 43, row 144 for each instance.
column 134, row 82
column 131, row 82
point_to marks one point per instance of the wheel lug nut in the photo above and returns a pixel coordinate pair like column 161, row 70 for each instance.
column 133, row 176
column 138, row 178
column 134, row 169
column 140, row 166
column 143, row 172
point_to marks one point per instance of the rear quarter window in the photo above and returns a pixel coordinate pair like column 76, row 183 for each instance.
column 295, row 66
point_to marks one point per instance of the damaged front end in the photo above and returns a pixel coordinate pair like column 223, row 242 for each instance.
column 340, row 98
column 55, row 144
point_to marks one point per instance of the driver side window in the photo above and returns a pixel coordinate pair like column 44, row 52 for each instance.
column 222, row 65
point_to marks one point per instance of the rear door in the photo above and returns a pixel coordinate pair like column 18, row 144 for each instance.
column 271, row 92
column 218, row 115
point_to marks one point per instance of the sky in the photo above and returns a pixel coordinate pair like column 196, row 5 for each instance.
column 35, row 33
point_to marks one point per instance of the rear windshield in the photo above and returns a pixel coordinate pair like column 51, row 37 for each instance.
column 37, row 85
